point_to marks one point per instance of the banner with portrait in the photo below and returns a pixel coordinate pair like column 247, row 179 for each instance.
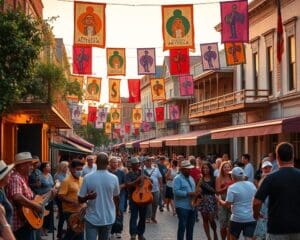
column 186, row 85
column 159, row 114
column 107, row 128
column 146, row 61
column 158, row 89
column 102, row 114
column 127, row 128
column 134, row 90
column 210, row 56
column 178, row 26
column 116, row 61
column 92, row 114
column 82, row 60
column 98, row 124
column 149, row 115
column 137, row 116
column 76, row 113
column 93, row 89
column 114, row 90
column 80, row 80
column 89, row 24
column 179, row 61
column 84, row 119
column 235, row 53
column 115, row 115
column 174, row 113
column 146, row 126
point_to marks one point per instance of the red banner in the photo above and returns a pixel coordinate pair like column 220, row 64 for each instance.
column 280, row 40
column 160, row 114
column 134, row 90
column 127, row 128
column 92, row 115
column 82, row 60
column 179, row 61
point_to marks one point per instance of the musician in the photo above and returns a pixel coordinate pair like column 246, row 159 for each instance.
column 101, row 191
column 68, row 194
column 19, row 192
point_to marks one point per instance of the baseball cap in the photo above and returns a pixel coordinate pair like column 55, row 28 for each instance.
column 266, row 164
column 238, row 172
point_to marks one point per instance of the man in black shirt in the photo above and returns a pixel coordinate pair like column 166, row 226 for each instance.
column 282, row 188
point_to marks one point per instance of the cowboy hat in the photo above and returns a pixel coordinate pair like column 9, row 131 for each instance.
column 24, row 157
column 5, row 169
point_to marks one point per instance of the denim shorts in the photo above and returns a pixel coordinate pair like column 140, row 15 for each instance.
column 248, row 228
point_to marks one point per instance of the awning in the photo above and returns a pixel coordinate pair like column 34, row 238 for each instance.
column 78, row 140
column 119, row 145
column 186, row 139
column 137, row 143
column 158, row 142
column 67, row 148
column 81, row 148
column 274, row 126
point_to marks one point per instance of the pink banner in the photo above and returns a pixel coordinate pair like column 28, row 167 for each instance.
column 186, row 85
column 174, row 112
column 149, row 115
column 210, row 56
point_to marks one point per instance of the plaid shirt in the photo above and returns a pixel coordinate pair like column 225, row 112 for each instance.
column 18, row 184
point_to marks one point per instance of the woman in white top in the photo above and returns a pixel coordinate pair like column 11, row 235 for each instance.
column 170, row 175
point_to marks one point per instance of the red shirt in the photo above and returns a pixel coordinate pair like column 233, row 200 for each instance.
column 195, row 174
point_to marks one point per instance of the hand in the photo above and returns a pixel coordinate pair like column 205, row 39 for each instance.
column 37, row 208
column 218, row 197
column 90, row 196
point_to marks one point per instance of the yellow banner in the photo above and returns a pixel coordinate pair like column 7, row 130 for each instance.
column 137, row 116
column 114, row 90
column 89, row 24
column 108, row 128
column 80, row 80
column 84, row 118
column 93, row 89
column 115, row 115
column 158, row 89
column 116, row 61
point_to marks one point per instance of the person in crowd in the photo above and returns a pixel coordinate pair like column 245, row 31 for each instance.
column 258, row 172
column 122, row 165
column 239, row 199
column 35, row 175
column 90, row 165
column 171, row 174
column 163, row 171
column 195, row 172
column 6, row 209
column 19, row 192
column 282, row 188
column 184, row 192
column 208, row 204
column 217, row 166
column 157, row 187
column 68, row 192
column 223, row 181
column 100, row 189
column 272, row 159
column 249, row 170
column 225, row 157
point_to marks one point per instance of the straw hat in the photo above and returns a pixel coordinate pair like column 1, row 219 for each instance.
column 24, row 157
column 186, row 164
column 5, row 169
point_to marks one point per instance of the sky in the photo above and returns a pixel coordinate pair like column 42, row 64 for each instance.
column 132, row 24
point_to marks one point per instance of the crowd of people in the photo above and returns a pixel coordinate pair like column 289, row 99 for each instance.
column 93, row 193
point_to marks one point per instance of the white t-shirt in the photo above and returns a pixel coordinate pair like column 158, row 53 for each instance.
column 86, row 169
column 241, row 194
column 155, row 175
column 100, row 211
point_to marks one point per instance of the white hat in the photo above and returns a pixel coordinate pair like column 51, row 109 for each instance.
column 266, row 164
column 5, row 169
column 238, row 172
column 186, row 164
column 134, row 160
column 23, row 157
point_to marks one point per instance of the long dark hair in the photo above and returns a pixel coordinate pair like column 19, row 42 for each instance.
column 211, row 170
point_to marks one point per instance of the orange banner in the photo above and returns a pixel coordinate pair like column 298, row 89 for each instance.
column 108, row 128
column 114, row 90
column 84, row 118
column 158, row 89
column 89, row 24
column 93, row 89
column 235, row 53
column 115, row 115
column 116, row 61
column 80, row 80
column 178, row 26
column 137, row 116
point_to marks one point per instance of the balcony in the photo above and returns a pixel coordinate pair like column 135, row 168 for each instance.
column 243, row 100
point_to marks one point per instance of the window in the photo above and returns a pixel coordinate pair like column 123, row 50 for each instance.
column 255, row 72
column 291, row 51
column 270, row 69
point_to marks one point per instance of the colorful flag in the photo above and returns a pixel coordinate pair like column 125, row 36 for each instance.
column 235, row 53
column 84, row 119
column 158, row 89
column 160, row 114
column 127, row 128
column 179, row 61
column 137, row 116
column 134, row 90
column 114, row 90
column 146, row 61
column 98, row 124
column 89, row 24
column 178, row 26
column 92, row 115
column 186, row 83
column 93, row 89
column 82, row 60
column 80, row 80
column 149, row 115
column 234, row 21
column 280, row 39
column 102, row 114
column 108, row 128
column 115, row 115
column 136, row 131
column 174, row 112
column 116, row 61
column 146, row 126
column 210, row 56
column 76, row 113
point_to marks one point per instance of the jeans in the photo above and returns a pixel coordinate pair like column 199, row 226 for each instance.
column 61, row 219
column 123, row 200
column 137, row 212
column 71, row 235
column 152, row 207
column 186, row 222
column 93, row 232
column 25, row 233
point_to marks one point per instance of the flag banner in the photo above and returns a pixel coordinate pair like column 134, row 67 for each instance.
column 84, row 119
column 149, row 115
column 136, row 125
column 186, row 85
column 89, row 24
column 80, row 80
column 122, row 132
column 134, row 90
column 115, row 115
column 82, row 60
column 178, row 26
column 102, row 114
column 76, row 113
column 114, row 90
column 108, row 128
column 210, row 56
column 179, row 61
column 146, row 126
column 174, row 112
column 117, row 126
column 137, row 116
column 158, row 89
column 136, row 131
column 235, row 53
column 93, row 89
column 127, row 128
column 92, row 114
column 98, row 124
column 146, row 61
column 116, row 61
column 280, row 39
column 160, row 114
column 234, row 21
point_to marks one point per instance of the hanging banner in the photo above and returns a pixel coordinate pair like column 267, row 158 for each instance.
column 210, row 56
column 235, row 53
column 179, row 61
column 114, row 90
column 159, row 114
column 127, row 128
column 178, row 26
column 92, row 114
column 174, row 112
column 186, row 84
column 149, row 115
column 115, row 115
column 137, row 116
column 80, row 80
column 108, row 128
column 98, row 124
column 146, row 61
column 134, row 90
column 93, row 88
column 89, row 24
column 84, row 119
column 76, row 113
column 146, row 126
column 82, row 60
column 234, row 21
column 158, row 89
column 102, row 114
column 116, row 61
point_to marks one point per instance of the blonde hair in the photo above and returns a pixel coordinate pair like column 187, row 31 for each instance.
column 61, row 166
column 221, row 172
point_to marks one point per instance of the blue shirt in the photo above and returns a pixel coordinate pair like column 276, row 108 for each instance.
column 7, row 206
column 181, row 187
column 249, row 171
column 46, row 184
